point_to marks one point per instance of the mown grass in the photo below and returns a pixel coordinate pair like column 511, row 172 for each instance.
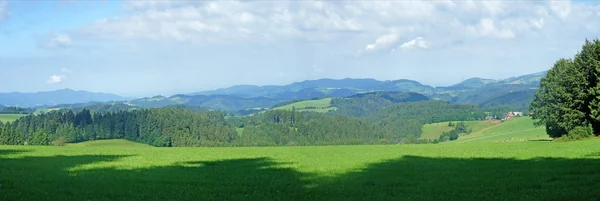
column 322, row 105
column 121, row 170
column 518, row 129
column 10, row 117
column 433, row 131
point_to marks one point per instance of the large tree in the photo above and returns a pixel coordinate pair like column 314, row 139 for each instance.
column 569, row 94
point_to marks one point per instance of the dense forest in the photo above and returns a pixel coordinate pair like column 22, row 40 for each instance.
column 16, row 110
column 183, row 126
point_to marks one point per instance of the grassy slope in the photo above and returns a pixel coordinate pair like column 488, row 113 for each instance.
column 433, row 131
column 10, row 117
column 324, row 105
column 120, row 170
column 518, row 129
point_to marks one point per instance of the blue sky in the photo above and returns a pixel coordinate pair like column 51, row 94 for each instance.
column 143, row 48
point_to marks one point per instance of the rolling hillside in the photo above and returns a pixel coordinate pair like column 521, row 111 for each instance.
column 321, row 105
column 515, row 92
column 433, row 131
column 518, row 129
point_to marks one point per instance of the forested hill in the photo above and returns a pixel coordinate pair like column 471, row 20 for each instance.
column 332, row 86
column 246, row 98
column 399, row 123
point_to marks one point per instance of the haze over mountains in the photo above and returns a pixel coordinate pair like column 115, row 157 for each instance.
column 63, row 96
column 484, row 92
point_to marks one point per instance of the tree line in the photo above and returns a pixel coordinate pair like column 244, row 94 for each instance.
column 399, row 123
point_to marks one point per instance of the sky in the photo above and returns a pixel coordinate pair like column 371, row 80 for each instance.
column 145, row 48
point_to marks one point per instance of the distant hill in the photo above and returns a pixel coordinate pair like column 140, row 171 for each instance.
column 469, row 84
column 346, row 87
column 321, row 87
column 531, row 79
column 479, row 91
column 357, row 105
column 498, row 95
column 63, row 96
column 519, row 100
column 394, row 96
column 219, row 102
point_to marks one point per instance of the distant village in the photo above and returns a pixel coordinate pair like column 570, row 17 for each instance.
column 506, row 116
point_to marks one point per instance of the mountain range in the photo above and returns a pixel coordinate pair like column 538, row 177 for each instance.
column 480, row 91
column 48, row 98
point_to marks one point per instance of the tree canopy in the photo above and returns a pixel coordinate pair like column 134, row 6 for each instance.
column 569, row 95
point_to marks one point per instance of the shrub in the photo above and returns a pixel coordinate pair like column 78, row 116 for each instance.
column 577, row 133
column 60, row 141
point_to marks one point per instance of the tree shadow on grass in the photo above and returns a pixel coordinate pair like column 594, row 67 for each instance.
column 50, row 178
column 406, row 178
column 7, row 152
column 423, row 178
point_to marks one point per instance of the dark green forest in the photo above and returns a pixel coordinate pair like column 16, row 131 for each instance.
column 16, row 110
column 185, row 126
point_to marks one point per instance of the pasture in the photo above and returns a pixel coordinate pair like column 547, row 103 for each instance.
column 321, row 105
column 10, row 117
column 518, row 129
column 123, row 170
column 434, row 130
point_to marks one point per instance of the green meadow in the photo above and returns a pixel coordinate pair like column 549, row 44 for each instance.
column 10, row 117
column 321, row 105
column 434, row 130
column 123, row 170
column 518, row 129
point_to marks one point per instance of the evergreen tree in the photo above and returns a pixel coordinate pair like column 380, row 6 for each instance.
column 569, row 94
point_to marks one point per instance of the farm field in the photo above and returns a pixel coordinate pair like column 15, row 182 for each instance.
column 321, row 105
column 518, row 129
column 433, row 131
column 123, row 170
column 10, row 117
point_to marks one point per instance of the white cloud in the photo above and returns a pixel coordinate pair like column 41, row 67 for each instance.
column 487, row 27
column 4, row 13
column 55, row 41
column 325, row 21
column 382, row 42
column 55, row 79
column 562, row 9
column 417, row 43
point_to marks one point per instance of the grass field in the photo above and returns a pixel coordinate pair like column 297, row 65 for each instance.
column 10, row 117
column 433, row 131
column 122, row 170
column 322, row 105
column 518, row 129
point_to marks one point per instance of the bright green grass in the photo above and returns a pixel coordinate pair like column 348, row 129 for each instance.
column 10, row 117
column 323, row 105
column 433, row 131
column 518, row 129
column 120, row 170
